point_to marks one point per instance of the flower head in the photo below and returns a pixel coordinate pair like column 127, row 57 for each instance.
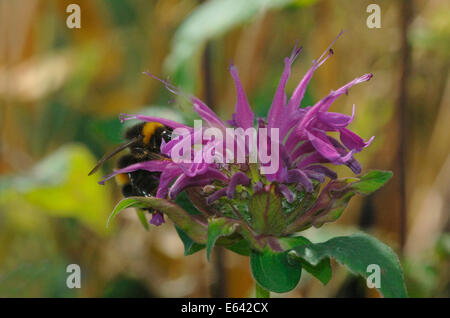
column 265, row 174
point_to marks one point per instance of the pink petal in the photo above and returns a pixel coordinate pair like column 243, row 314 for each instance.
column 300, row 90
column 237, row 178
column 352, row 141
column 323, row 106
column 157, row 219
column 244, row 115
column 207, row 114
column 279, row 100
column 333, row 121
column 166, row 178
column 152, row 165
column 320, row 141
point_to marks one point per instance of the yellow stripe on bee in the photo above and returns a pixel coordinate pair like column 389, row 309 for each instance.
column 122, row 179
column 148, row 131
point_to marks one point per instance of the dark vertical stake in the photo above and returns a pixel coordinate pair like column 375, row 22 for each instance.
column 406, row 12
column 218, row 287
column 207, row 76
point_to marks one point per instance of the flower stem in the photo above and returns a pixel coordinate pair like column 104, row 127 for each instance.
column 260, row 292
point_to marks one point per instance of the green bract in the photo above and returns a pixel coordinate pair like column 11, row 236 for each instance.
column 266, row 231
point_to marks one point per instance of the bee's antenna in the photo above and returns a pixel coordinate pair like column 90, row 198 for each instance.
column 109, row 155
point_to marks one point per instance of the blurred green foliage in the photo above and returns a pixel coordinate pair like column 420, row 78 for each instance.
column 60, row 187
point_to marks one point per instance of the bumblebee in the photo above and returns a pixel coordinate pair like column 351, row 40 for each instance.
column 143, row 141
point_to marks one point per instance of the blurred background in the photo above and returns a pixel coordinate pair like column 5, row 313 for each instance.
column 61, row 91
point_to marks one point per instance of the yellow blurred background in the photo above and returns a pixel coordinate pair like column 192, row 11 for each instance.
column 62, row 89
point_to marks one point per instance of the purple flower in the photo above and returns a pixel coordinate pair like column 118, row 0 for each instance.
column 296, row 140
column 157, row 219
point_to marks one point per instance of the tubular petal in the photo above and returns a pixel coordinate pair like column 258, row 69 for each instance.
column 353, row 141
column 157, row 219
column 315, row 175
column 244, row 115
column 326, row 148
column 237, row 178
column 299, row 177
column 152, row 165
column 299, row 92
column 279, row 100
column 184, row 181
column 304, row 148
column 165, row 180
column 352, row 163
column 322, row 170
column 286, row 192
column 333, row 121
column 216, row 195
column 207, row 114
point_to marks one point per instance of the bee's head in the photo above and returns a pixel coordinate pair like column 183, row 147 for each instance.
column 143, row 138
column 144, row 130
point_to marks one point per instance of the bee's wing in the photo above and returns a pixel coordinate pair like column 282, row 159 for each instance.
column 156, row 156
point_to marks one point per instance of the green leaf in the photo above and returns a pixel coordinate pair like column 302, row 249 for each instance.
column 217, row 228
column 322, row 271
column 190, row 247
column 357, row 252
column 261, row 292
column 122, row 205
column 193, row 227
column 241, row 247
column 267, row 214
column 141, row 216
column 274, row 271
column 183, row 201
column 372, row 181
column 255, row 242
